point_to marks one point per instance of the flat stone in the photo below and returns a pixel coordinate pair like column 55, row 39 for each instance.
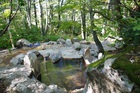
column 70, row 53
column 16, row 71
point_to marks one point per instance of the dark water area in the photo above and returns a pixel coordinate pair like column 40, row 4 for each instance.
column 67, row 73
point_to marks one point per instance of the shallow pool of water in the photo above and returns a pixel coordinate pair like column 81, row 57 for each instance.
column 68, row 74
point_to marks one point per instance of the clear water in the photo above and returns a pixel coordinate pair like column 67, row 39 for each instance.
column 68, row 74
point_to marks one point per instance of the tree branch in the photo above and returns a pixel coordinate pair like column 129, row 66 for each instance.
column 136, row 3
column 103, row 15
column 10, row 20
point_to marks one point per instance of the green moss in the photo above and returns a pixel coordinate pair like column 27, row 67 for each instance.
column 131, row 69
column 122, row 63
column 97, row 63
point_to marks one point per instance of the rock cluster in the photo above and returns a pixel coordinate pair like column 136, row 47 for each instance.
column 17, row 79
column 107, row 80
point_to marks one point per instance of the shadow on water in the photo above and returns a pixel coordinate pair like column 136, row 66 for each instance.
column 67, row 73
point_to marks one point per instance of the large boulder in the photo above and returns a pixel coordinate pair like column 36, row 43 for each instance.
column 30, row 61
column 45, row 53
column 18, row 59
column 55, row 56
column 77, row 46
column 7, row 75
column 26, row 85
column 105, row 79
column 23, row 42
column 16, row 80
column 70, row 53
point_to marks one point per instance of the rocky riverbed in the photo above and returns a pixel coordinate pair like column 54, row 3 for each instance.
column 60, row 67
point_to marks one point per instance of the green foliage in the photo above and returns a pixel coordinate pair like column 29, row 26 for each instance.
column 5, row 41
column 21, row 2
column 131, row 31
column 6, row 13
column 70, row 27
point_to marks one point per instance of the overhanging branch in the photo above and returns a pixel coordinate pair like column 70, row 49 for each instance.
column 10, row 20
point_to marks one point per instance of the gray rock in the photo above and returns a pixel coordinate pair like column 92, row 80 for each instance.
column 94, row 53
column 68, row 42
column 54, row 89
column 77, row 46
column 18, row 59
column 33, row 51
column 30, row 59
column 15, row 80
column 116, row 77
column 75, row 40
column 52, row 43
column 23, row 42
column 70, row 53
column 61, row 41
column 105, row 79
column 26, row 85
column 11, row 73
column 46, row 53
column 55, row 56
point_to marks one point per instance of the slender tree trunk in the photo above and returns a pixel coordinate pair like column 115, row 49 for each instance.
column 41, row 18
column 10, row 34
column 29, row 13
column 60, row 3
column 51, row 15
column 97, row 42
column 47, row 18
column 83, row 16
column 35, row 14
column 73, row 19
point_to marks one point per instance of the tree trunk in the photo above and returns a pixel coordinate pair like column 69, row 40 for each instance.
column 83, row 16
column 96, row 40
column 29, row 13
column 10, row 34
column 51, row 15
column 47, row 18
column 73, row 19
column 35, row 14
column 41, row 18
column 60, row 3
